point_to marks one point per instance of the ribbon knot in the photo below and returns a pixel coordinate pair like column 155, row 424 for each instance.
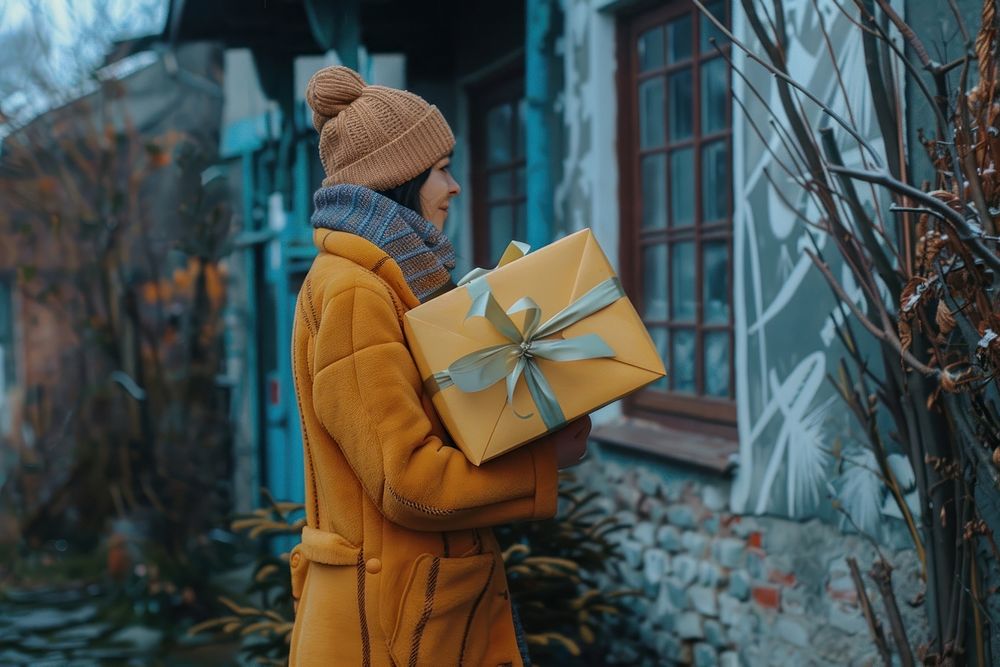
column 483, row 368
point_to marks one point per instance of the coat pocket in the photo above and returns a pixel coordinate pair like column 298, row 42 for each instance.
column 437, row 620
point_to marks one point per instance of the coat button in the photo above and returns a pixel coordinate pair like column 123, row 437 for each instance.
column 373, row 565
column 296, row 557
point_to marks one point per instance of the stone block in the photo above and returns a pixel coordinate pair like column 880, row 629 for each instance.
column 653, row 509
column 745, row 526
column 755, row 563
column 730, row 609
column 647, row 633
column 685, row 568
column 677, row 590
column 729, row 551
column 729, row 659
column 681, row 516
column 704, row 601
column 628, row 496
column 846, row 618
column 705, row 655
column 664, row 603
column 645, row 532
column 648, row 482
column 792, row 630
column 710, row 574
column 715, row 634
column 669, row 538
column 632, row 552
column 668, row 648
column 739, row 584
column 711, row 525
column 689, row 626
column 655, row 564
column 793, row 600
column 714, row 498
column 694, row 542
column 672, row 491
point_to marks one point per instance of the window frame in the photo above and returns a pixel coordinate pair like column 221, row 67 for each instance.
column 505, row 85
column 707, row 414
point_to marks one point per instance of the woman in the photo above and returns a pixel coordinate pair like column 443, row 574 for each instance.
column 397, row 565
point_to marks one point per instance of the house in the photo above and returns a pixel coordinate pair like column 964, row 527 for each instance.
column 620, row 116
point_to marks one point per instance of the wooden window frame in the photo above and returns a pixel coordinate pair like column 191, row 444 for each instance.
column 707, row 414
column 506, row 84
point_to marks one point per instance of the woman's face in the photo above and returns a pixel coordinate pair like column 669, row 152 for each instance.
column 437, row 191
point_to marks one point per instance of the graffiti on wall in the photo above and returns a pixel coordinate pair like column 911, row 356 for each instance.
column 795, row 436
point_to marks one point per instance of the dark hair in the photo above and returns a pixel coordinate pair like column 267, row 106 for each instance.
column 408, row 194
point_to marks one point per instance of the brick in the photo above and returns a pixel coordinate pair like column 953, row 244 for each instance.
column 705, row 656
column 704, row 601
column 755, row 539
column 781, row 577
column 767, row 597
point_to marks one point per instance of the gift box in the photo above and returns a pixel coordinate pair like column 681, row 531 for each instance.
column 517, row 352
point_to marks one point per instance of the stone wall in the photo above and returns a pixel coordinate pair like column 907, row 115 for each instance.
column 728, row 590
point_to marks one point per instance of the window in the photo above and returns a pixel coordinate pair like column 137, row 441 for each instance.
column 499, row 213
column 676, row 200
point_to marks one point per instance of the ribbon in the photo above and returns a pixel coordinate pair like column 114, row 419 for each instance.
column 483, row 368
column 514, row 250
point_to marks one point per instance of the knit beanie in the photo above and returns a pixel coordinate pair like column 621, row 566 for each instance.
column 373, row 136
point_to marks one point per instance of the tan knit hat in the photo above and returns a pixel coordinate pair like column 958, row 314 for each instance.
column 373, row 136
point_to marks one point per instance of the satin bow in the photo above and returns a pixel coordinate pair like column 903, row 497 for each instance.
column 484, row 368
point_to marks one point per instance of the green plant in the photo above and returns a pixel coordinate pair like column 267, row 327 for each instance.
column 264, row 621
column 554, row 570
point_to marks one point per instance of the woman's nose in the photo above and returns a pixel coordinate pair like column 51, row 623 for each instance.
column 453, row 187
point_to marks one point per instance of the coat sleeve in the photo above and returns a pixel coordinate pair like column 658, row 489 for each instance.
column 366, row 393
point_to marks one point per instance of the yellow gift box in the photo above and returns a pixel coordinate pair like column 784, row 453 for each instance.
column 518, row 351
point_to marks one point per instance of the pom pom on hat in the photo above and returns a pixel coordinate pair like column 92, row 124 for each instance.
column 330, row 91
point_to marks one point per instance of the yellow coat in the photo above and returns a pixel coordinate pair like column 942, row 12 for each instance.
column 397, row 565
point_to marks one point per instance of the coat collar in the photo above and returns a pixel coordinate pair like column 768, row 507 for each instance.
column 368, row 256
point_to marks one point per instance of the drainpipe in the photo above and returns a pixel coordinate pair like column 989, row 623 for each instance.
column 538, row 174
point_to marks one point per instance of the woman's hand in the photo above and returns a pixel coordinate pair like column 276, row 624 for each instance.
column 571, row 442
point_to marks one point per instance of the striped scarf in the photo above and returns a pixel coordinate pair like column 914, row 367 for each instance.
column 423, row 253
